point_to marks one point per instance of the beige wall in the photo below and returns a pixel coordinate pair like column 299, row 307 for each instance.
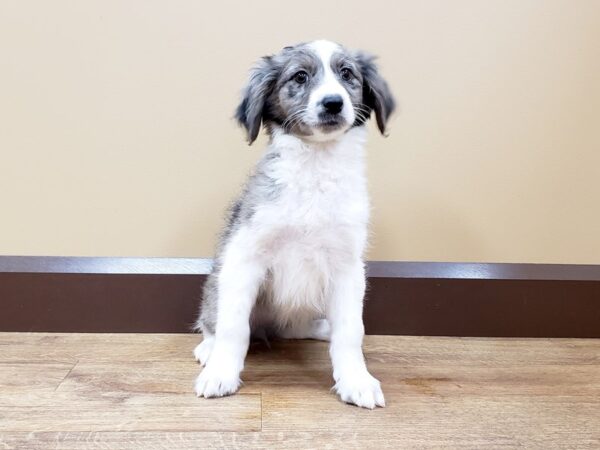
column 116, row 135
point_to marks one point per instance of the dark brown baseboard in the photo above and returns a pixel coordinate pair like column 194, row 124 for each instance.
column 64, row 294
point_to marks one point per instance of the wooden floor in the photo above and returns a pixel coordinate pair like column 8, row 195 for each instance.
column 123, row 391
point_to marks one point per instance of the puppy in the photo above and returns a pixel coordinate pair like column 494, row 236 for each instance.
column 290, row 260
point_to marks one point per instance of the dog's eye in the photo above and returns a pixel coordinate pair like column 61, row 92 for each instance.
column 301, row 77
column 346, row 74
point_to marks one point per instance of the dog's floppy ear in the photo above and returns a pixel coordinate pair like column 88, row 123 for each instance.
column 249, row 113
column 376, row 93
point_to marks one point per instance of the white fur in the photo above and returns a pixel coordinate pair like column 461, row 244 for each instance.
column 307, row 248
column 204, row 349
column 319, row 222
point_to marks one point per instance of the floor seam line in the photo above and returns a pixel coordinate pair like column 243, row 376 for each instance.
column 65, row 377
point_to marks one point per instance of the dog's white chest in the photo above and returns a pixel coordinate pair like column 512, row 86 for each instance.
column 322, row 204
column 317, row 224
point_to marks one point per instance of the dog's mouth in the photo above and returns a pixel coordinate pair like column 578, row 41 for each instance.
column 325, row 124
column 330, row 122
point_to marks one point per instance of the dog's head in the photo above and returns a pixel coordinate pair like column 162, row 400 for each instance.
column 316, row 91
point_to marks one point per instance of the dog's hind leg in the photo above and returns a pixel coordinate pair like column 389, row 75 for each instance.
column 208, row 318
column 204, row 349
column 313, row 329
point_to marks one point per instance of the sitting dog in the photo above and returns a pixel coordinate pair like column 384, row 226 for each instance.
column 290, row 260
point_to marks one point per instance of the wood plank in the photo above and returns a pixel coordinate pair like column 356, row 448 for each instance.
column 428, row 410
column 407, row 350
column 39, row 377
column 397, row 438
column 124, row 411
column 425, row 350
column 72, row 347
column 192, row 441
column 101, row 403
column 89, row 378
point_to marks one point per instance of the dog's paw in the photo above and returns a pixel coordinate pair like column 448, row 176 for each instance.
column 203, row 350
column 362, row 390
column 216, row 382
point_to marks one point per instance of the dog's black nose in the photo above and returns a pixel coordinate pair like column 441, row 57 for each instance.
column 333, row 103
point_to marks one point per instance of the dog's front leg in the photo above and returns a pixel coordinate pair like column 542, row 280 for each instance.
column 239, row 281
column 354, row 384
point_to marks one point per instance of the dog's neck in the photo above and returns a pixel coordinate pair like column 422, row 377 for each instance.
column 351, row 141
